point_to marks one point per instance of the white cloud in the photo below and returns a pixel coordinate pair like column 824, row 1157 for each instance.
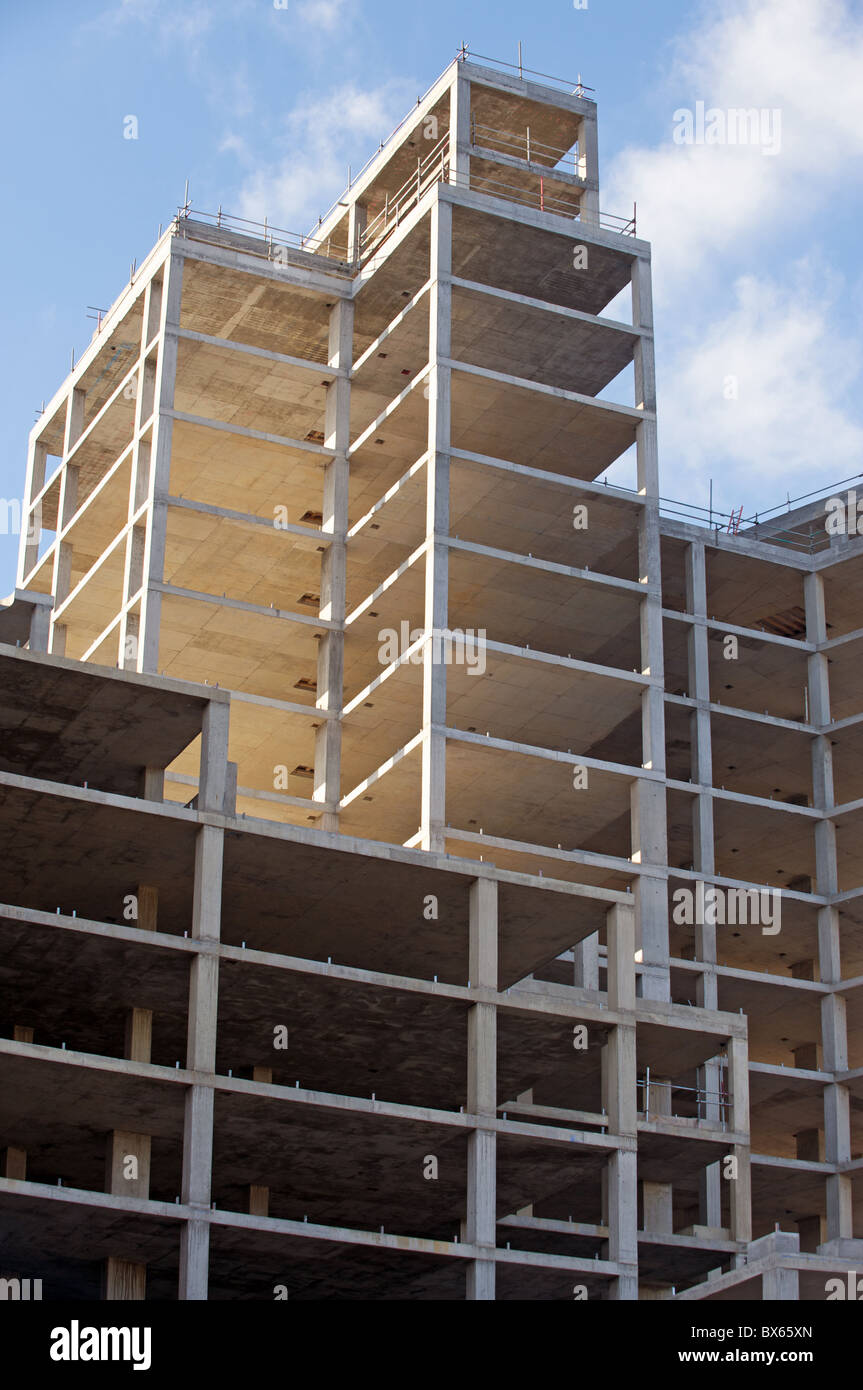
column 324, row 14
column 728, row 224
column 763, row 393
column 171, row 22
column 802, row 57
column 319, row 139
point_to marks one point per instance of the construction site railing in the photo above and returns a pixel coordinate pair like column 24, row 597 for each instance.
column 434, row 168
column 706, row 1099
column 523, row 146
column 272, row 239
column 464, row 55
column 810, row 536
column 577, row 89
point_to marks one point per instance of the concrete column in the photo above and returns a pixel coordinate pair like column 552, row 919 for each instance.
column 588, row 149
column 152, row 785
column 127, row 1164
column 585, row 963
column 649, row 833
column 14, row 1160
column 258, row 1200
column 834, row 1031
column 213, row 775
column 643, row 354
column 147, row 896
column 741, row 1190
column 481, row 1219
column 139, row 1035
column 31, row 518
column 621, row 1103
column 658, row 1197
column 704, row 861
column 67, row 506
column 74, row 426
column 623, row 1222
column 40, row 627
column 127, row 1174
column 124, row 1280
column 780, row 1286
column 435, row 651
column 358, row 216
column 201, row 1055
column 14, row 1163
column 337, row 429
column 160, row 464
column 459, row 128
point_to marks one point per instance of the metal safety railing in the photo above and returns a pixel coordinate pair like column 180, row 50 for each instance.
column 576, row 89
column 274, row 241
column 809, row 536
column 462, row 56
column 710, row 1103
column 523, row 145
column 434, row 168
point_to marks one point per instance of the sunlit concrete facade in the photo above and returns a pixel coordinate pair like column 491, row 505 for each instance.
column 359, row 740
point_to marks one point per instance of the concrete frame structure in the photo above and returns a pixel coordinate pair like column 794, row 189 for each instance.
column 358, row 975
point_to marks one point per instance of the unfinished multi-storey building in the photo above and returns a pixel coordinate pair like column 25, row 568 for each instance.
column 360, row 747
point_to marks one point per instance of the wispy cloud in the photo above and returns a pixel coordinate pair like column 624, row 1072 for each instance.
column 319, row 139
column 325, row 14
column 726, row 223
column 170, row 23
column 766, row 391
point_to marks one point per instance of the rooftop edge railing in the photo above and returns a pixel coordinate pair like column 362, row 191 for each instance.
column 808, row 535
column 274, row 239
column 464, row 55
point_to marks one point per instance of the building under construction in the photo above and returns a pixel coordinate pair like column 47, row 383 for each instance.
column 364, row 752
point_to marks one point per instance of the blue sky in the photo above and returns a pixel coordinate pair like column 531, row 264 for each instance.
column 757, row 268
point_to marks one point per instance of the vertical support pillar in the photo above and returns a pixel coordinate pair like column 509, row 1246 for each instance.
column 40, row 628
column 658, row 1197
column 31, row 517
column 127, row 1166
column 481, row 1222
column 213, row 776
column 328, row 740
column 145, row 380
column 703, row 849
column 203, row 1010
column 66, row 507
column 127, row 1174
column 780, row 1286
column 649, row 834
column 358, row 216
column 621, row 1104
column 588, row 149
column 459, row 128
column 435, row 650
column 741, row 1187
column 834, row 1031
column 14, row 1159
column 159, row 470
column 14, row 1163
column 585, row 963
